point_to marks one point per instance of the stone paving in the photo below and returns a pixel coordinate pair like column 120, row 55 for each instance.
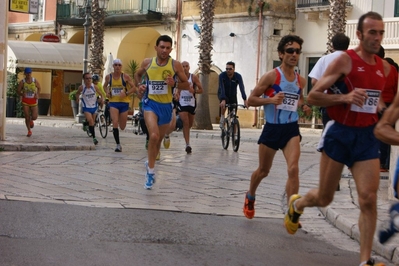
column 209, row 181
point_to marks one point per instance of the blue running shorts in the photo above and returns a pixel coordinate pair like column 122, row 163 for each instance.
column 348, row 145
column 276, row 136
column 162, row 110
column 396, row 180
column 122, row 107
column 89, row 110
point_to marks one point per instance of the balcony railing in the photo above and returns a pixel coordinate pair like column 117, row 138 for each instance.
column 69, row 9
column 312, row 3
column 316, row 3
column 391, row 35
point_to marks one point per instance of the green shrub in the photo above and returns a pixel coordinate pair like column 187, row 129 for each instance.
column 72, row 95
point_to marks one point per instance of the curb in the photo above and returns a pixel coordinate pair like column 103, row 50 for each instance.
column 352, row 230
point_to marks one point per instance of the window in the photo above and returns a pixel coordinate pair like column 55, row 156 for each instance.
column 40, row 14
column 396, row 11
column 312, row 62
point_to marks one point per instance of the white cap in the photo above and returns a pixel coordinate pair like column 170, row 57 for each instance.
column 117, row 61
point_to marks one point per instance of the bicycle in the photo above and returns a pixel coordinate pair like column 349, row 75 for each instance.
column 101, row 123
column 136, row 123
column 231, row 127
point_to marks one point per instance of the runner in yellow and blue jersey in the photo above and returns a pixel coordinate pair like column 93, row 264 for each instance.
column 118, row 87
column 161, row 74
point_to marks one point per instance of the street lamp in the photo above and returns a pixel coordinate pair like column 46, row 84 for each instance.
column 87, row 4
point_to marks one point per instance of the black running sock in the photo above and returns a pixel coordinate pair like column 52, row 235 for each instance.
column 115, row 131
column 92, row 132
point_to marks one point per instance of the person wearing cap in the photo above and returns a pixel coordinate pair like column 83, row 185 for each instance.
column 29, row 90
column 118, row 87
column 161, row 74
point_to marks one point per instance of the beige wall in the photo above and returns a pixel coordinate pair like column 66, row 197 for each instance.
column 3, row 67
column 191, row 7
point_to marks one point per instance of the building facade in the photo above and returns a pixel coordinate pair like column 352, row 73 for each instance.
column 132, row 26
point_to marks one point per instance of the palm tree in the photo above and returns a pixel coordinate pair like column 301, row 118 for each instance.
column 336, row 21
column 203, row 117
column 97, row 38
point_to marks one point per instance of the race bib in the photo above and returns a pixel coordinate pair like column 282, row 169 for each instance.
column 29, row 94
column 290, row 102
column 116, row 91
column 370, row 104
column 157, row 87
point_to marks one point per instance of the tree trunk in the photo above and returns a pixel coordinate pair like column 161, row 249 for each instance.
column 202, row 119
column 336, row 21
column 202, row 114
column 96, row 63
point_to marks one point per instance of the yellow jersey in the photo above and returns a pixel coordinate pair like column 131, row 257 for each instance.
column 116, row 86
column 157, row 89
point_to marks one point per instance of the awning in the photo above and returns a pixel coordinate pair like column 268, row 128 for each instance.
column 45, row 55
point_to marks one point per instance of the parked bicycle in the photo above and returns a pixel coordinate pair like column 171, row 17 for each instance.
column 101, row 123
column 231, row 128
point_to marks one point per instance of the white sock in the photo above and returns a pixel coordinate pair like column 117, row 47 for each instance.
column 151, row 170
column 293, row 204
column 395, row 221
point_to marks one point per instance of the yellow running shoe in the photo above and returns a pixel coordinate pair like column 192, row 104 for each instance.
column 291, row 220
column 166, row 142
column 158, row 156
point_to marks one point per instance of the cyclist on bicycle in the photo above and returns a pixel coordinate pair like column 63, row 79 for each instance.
column 227, row 91
column 282, row 93
column 89, row 102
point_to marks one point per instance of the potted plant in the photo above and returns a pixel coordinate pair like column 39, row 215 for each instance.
column 14, row 108
column 131, row 69
column 74, row 103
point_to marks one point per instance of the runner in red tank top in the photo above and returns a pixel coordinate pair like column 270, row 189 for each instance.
column 348, row 139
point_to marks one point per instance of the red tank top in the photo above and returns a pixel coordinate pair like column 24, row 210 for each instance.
column 391, row 86
column 362, row 76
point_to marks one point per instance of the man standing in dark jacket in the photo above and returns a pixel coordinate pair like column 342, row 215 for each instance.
column 227, row 92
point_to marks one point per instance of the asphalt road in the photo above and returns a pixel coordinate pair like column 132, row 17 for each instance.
column 54, row 234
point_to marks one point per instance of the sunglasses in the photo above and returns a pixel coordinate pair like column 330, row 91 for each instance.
column 293, row 50
column 117, row 65
column 229, row 68
column 88, row 78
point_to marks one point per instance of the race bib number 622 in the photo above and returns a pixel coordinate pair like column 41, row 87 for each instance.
column 290, row 102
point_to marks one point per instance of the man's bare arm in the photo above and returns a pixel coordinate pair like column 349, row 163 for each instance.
column 337, row 69
column 197, row 82
column 183, row 80
column 385, row 130
column 265, row 82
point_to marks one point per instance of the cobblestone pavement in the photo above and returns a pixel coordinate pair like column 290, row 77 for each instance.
column 209, row 181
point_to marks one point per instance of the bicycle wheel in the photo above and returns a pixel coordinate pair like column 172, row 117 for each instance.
column 225, row 134
column 235, row 134
column 102, row 126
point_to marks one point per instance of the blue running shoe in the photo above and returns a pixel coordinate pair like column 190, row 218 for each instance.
column 149, row 180
column 385, row 234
